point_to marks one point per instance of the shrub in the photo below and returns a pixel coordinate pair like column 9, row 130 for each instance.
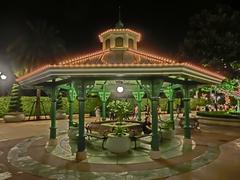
column 15, row 104
column 218, row 114
column 59, row 101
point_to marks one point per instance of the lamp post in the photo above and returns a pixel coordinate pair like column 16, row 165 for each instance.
column 2, row 78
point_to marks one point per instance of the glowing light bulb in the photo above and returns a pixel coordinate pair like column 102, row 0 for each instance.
column 120, row 89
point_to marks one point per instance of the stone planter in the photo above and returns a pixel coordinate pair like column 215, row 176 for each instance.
column 73, row 133
column 61, row 115
column 118, row 144
column 14, row 117
column 168, row 134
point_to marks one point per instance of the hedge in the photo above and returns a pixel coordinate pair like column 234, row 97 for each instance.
column 90, row 104
column 219, row 114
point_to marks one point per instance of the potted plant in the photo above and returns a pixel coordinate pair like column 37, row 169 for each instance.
column 166, row 129
column 60, row 112
column 15, row 111
column 121, row 109
column 73, row 131
column 118, row 141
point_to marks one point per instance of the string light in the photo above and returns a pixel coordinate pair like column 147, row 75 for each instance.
column 120, row 30
column 84, row 61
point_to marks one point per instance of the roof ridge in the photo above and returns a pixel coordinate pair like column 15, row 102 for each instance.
column 85, row 57
column 153, row 57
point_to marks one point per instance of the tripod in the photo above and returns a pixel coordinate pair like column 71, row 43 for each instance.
column 33, row 109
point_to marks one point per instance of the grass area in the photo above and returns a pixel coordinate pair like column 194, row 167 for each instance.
column 220, row 114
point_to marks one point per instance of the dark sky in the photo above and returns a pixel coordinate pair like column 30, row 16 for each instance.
column 163, row 24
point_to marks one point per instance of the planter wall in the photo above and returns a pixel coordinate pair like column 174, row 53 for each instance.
column 118, row 144
column 14, row 117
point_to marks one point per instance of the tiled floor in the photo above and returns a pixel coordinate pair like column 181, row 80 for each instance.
column 216, row 155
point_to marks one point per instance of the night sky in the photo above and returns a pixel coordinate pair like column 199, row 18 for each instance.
column 163, row 24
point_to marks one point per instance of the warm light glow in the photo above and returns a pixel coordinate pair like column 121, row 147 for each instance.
column 3, row 77
column 120, row 30
column 120, row 89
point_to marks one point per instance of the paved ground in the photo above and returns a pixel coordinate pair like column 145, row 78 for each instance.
column 222, row 165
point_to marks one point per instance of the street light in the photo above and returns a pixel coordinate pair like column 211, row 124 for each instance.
column 3, row 76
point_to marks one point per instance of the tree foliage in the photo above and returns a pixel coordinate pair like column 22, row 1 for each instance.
column 40, row 44
column 15, row 104
column 214, row 39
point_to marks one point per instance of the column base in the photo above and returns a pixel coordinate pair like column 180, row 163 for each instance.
column 187, row 141
column 52, row 142
column 155, row 155
column 80, row 156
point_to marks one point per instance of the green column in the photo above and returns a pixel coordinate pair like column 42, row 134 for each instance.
column 81, row 103
column 238, row 105
column 71, row 98
column 138, row 95
column 103, row 110
column 53, row 113
column 156, row 86
column 155, row 136
column 104, row 95
column 186, row 102
column 70, row 123
column 171, row 113
column 169, row 93
column 139, row 110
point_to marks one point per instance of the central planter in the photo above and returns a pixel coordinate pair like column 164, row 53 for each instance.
column 118, row 144
column 168, row 134
column 14, row 117
column 73, row 133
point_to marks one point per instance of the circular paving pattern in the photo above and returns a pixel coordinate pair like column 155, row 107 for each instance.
column 20, row 157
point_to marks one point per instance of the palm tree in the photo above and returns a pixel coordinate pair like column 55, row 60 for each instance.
column 38, row 45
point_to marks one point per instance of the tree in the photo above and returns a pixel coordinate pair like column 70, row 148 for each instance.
column 15, row 104
column 38, row 45
column 214, row 39
column 59, row 102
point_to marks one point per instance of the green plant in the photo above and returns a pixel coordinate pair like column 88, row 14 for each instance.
column 15, row 104
column 120, row 108
column 75, row 124
column 119, row 131
column 59, row 102
column 219, row 114
column 166, row 125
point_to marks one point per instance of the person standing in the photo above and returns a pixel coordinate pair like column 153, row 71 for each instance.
column 148, row 110
column 135, row 112
column 159, row 112
column 97, row 113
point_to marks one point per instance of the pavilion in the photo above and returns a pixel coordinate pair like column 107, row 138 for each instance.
column 121, row 62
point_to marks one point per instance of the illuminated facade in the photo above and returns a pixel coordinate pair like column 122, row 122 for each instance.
column 119, row 59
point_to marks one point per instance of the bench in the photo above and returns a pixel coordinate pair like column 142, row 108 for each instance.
column 193, row 123
column 96, row 130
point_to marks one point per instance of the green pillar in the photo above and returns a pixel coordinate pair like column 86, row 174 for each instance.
column 139, row 110
column 104, row 95
column 186, row 102
column 238, row 105
column 81, row 103
column 138, row 95
column 171, row 113
column 104, row 110
column 70, row 123
column 155, row 136
column 71, row 98
column 169, row 93
column 53, row 113
column 156, row 86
